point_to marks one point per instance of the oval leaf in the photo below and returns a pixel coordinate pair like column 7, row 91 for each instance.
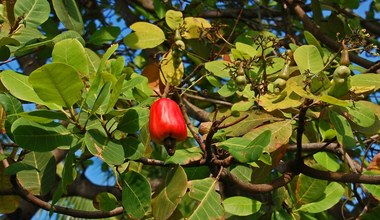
column 135, row 194
column 145, row 35
column 57, row 83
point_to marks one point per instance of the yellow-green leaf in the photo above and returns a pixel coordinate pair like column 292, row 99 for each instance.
column 145, row 35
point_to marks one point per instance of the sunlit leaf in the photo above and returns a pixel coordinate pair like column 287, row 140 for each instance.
column 327, row 160
column 195, row 27
column 331, row 196
column 343, row 130
column 309, row 189
column 171, row 68
column 57, row 83
column 308, row 57
column 145, row 35
column 173, row 19
column 369, row 80
column 218, row 68
column 19, row 86
column 68, row 13
column 133, row 148
column 34, row 12
column 71, row 52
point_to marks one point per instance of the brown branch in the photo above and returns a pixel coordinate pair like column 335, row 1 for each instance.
column 228, row 178
column 59, row 209
column 339, row 176
column 215, row 101
column 196, row 112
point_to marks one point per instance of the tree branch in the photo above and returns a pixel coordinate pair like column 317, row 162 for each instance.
column 59, row 209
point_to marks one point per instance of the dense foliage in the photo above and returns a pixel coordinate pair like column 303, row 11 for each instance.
column 280, row 100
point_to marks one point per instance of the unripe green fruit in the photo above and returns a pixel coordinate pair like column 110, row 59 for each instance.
column 241, row 82
column 342, row 72
column 285, row 73
column 280, row 83
column 177, row 35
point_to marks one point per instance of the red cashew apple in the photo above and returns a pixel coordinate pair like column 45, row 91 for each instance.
column 166, row 124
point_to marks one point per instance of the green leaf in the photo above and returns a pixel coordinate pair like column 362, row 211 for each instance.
column 110, row 151
column 69, row 35
column 43, row 116
column 195, row 27
column 98, row 98
column 208, row 200
column 360, row 114
column 244, row 173
column 254, row 119
column 93, row 61
column 247, row 152
column 5, row 53
column 309, row 189
column 334, row 101
column 34, row 12
column 308, row 57
column 71, row 52
column 281, row 132
column 57, row 83
column 104, row 35
column 311, row 40
column 134, row 119
column 173, row 19
column 145, row 35
column 135, row 194
column 327, row 160
column 326, row 130
column 374, row 189
column 343, row 129
column 171, row 68
column 40, row 137
column 40, row 180
column 133, row 148
column 68, row 13
column 11, row 105
column 164, row 204
column 218, row 68
column 185, row 156
column 331, row 196
column 9, row 41
column 241, row 206
column 19, row 86
column 106, row 56
column 242, row 106
column 116, row 91
column 105, row 201
column 245, row 48
column 228, row 89
column 369, row 80
column 17, row 167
